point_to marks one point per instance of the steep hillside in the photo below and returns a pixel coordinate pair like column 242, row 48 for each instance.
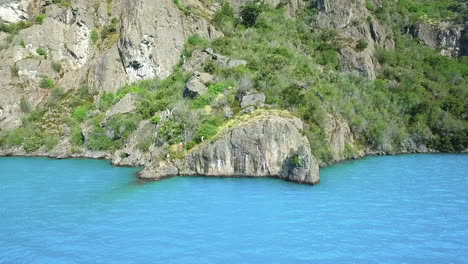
column 142, row 82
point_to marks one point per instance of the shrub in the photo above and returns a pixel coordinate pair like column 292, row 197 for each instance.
column 181, row 7
column 40, row 18
column 224, row 18
column 57, row 66
column 155, row 119
column 196, row 40
column 190, row 145
column 205, row 132
column 50, row 141
column 124, row 124
column 218, row 88
column 80, row 114
column 370, row 5
column 33, row 143
column 362, row 44
column 17, row 136
column 77, row 136
column 249, row 14
column 171, row 133
column 106, row 101
column 14, row 70
column 296, row 160
column 201, row 101
column 13, row 28
column 129, row 89
column 98, row 140
column 145, row 143
column 46, row 83
column 24, row 105
column 42, row 52
column 94, row 35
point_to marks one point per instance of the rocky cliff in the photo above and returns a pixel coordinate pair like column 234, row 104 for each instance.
column 270, row 146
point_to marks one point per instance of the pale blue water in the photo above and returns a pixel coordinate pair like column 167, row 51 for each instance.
column 400, row 209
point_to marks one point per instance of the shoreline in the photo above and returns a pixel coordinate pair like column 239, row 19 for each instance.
column 147, row 180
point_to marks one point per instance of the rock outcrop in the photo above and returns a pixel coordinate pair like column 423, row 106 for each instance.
column 124, row 106
column 13, row 11
column 340, row 139
column 257, row 100
column 444, row 36
column 266, row 146
column 145, row 47
column 199, row 57
column 359, row 30
column 196, row 85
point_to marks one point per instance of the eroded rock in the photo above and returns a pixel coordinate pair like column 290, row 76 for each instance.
column 269, row 146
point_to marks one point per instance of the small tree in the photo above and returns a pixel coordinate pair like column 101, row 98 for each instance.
column 249, row 14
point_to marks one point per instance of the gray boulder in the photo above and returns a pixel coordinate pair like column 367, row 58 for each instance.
column 199, row 57
column 257, row 100
column 267, row 146
column 196, row 85
column 124, row 106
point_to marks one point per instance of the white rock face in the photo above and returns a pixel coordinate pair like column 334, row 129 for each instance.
column 153, row 37
column 77, row 41
column 13, row 11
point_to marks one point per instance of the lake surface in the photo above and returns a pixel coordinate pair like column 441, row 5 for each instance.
column 398, row 209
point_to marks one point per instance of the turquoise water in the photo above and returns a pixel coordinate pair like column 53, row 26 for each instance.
column 399, row 209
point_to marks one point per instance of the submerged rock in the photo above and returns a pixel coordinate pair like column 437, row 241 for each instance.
column 267, row 146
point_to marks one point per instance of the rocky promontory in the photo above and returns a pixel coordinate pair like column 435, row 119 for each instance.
column 270, row 146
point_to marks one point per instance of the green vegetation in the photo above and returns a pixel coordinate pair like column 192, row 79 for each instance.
column 181, row 7
column 110, row 34
column 40, row 18
column 14, row 70
column 171, row 132
column 155, row 119
column 94, row 35
column 418, row 97
column 46, row 82
column 41, row 52
column 80, row 114
column 14, row 28
column 57, row 66
column 62, row 3
column 362, row 44
column 24, row 106
column 145, row 143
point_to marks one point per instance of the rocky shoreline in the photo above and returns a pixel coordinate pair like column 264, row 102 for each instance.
column 263, row 146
